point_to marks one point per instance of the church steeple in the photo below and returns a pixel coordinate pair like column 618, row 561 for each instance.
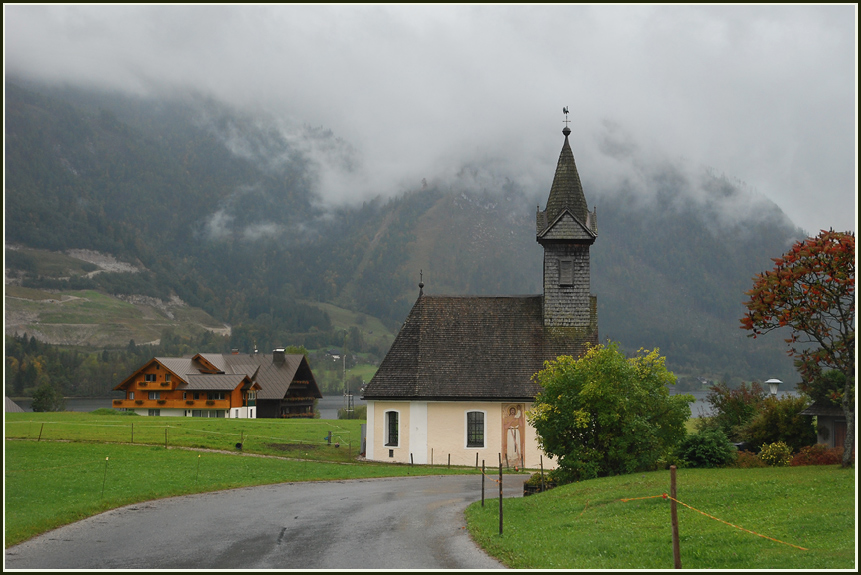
column 566, row 229
column 566, row 193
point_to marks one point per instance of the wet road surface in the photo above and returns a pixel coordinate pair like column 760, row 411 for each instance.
column 392, row 523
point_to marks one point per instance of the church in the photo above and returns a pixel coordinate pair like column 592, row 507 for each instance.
column 456, row 384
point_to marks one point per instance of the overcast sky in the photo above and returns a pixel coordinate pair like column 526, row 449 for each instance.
column 763, row 94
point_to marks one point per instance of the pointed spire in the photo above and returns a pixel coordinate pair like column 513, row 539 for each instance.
column 566, row 191
column 421, row 283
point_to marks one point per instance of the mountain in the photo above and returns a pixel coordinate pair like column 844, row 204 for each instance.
column 217, row 210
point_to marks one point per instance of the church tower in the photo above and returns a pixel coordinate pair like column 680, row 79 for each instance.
column 566, row 229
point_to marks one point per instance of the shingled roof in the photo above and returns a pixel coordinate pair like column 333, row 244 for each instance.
column 823, row 408
column 567, row 191
column 471, row 348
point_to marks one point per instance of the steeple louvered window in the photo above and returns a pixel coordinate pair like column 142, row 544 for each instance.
column 566, row 272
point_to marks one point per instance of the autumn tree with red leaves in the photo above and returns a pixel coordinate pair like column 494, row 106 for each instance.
column 811, row 290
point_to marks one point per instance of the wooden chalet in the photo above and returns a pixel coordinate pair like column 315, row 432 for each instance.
column 221, row 385
column 457, row 382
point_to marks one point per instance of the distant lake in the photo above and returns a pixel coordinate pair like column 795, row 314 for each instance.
column 328, row 406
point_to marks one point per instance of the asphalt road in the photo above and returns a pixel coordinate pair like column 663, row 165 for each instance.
column 396, row 523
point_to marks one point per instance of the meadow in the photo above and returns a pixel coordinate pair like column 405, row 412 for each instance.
column 590, row 525
column 63, row 467
column 66, row 466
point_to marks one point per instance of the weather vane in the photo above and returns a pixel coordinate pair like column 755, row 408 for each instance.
column 565, row 111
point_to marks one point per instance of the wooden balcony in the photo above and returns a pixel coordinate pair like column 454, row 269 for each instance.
column 172, row 403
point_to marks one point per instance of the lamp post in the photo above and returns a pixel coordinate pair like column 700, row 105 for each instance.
column 772, row 386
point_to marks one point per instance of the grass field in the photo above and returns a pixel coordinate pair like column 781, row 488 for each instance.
column 63, row 467
column 306, row 439
column 587, row 525
column 84, row 464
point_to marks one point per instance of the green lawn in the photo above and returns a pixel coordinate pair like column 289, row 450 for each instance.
column 587, row 525
column 85, row 464
column 63, row 467
column 291, row 438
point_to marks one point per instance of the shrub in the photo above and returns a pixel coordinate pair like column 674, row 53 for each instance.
column 776, row 454
column 708, row 448
column 780, row 420
column 818, row 455
column 734, row 408
column 359, row 412
column 48, row 398
column 535, row 480
column 748, row 459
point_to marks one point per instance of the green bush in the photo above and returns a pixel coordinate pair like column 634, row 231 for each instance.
column 776, row 454
column 48, row 398
column 780, row 420
column 708, row 448
column 733, row 409
column 359, row 412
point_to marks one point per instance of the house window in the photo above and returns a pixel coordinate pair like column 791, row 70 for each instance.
column 167, row 377
column 216, row 395
column 154, row 412
column 475, row 429
column 149, row 377
column 392, row 428
column 131, row 395
column 184, row 394
column 566, row 272
column 155, row 395
column 196, row 395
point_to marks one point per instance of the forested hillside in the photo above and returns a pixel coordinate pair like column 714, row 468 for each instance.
column 221, row 211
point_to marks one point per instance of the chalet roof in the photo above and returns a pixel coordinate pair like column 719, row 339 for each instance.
column 821, row 408
column 471, row 348
column 273, row 373
column 214, row 381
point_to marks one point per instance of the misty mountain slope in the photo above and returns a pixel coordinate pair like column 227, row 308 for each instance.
column 222, row 210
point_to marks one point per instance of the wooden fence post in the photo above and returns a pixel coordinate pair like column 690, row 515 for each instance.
column 500, row 494
column 541, row 459
column 105, row 479
column 482, row 482
column 677, row 557
column 40, row 433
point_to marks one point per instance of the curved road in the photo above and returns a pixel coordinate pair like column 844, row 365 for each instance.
column 394, row 523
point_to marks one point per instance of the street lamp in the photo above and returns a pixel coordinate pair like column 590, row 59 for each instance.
column 772, row 385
